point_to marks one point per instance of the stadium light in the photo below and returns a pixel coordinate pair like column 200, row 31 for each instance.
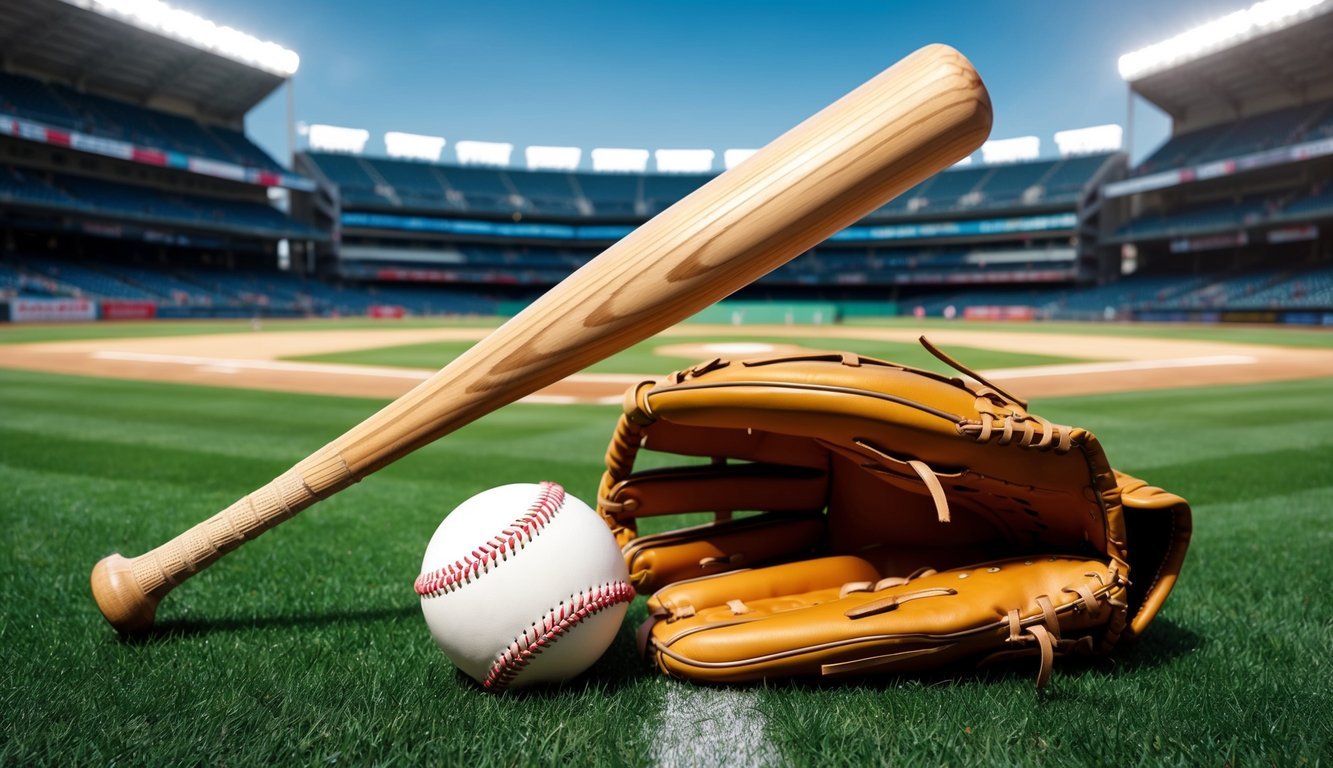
column 619, row 160
column 183, row 26
column 1230, row 30
column 335, row 138
column 734, row 157
column 1011, row 150
column 413, row 146
column 684, row 160
column 484, row 152
column 1089, row 141
column 553, row 158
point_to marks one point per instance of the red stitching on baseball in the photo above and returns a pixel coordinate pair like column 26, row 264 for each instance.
column 515, row 536
column 547, row 630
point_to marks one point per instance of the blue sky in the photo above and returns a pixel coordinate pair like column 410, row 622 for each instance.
column 684, row 74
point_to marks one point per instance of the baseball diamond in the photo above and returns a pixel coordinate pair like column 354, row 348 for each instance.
column 806, row 384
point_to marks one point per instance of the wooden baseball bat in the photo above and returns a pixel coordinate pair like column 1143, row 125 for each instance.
column 916, row 118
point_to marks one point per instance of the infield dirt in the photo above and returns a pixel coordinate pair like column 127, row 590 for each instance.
column 255, row 360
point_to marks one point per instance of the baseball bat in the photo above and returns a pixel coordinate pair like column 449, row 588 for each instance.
column 916, row 118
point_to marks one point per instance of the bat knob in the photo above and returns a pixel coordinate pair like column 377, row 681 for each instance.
column 127, row 607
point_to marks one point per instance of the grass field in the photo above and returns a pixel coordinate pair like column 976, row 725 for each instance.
column 1318, row 338
column 307, row 646
column 644, row 357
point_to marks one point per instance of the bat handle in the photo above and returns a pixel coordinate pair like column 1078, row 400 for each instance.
column 128, row 590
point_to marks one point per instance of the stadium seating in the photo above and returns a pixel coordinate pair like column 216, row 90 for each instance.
column 1009, row 184
column 1313, row 289
column 31, row 187
column 1318, row 203
column 25, row 97
column 1071, row 176
column 1198, row 219
column 611, row 194
column 1278, row 128
column 548, row 193
column 378, row 183
column 81, row 280
column 1223, row 293
column 127, row 201
column 1135, row 292
column 64, row 107
column 483, row 190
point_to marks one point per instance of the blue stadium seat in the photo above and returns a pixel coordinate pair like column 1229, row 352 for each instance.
column 1008, row 183
column 65, row 107
column 1281, row 127
column 547, row 192
column 612, row 194
column 484, row 189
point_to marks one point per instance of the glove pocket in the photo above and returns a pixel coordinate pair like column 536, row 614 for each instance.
column 688, row 553
column 769, row 627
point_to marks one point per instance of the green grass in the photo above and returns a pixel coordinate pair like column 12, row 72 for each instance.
column 643, row 357
column 307, row 646
column 1248, row 334
column 1278, row 335
column 20, row 334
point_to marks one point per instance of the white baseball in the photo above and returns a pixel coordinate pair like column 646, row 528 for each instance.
column 523, row 584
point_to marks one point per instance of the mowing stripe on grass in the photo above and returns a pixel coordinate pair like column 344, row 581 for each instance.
column 710, row 726
column 233, row 365
column 1082, row 369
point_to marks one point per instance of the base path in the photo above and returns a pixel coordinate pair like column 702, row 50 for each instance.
column 252, row 360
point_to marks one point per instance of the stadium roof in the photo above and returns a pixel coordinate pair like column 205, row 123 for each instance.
column 177, row 61
column 1290, row 62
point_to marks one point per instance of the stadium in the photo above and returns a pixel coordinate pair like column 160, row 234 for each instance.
column 184, row 313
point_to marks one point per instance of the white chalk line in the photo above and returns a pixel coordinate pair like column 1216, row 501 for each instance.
column 709, row 727
column 1117, row 366
column 227, row 365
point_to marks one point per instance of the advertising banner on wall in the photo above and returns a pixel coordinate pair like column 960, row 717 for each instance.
column 51, row 310
column 128, row 310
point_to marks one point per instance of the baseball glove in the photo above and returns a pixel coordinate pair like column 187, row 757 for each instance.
column 871, row 517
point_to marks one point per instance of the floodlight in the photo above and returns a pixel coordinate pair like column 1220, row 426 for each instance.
column 684, row 160
column 334, row 138
column 1230, row 30
column 1088, row 141
column 413, row 146
column 183, row 26
column 619, row 160
column 553, row 158
column 734, row 157
column 1011, row 150
column 484, row 152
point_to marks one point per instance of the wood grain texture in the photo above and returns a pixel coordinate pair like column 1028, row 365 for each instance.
column 912, row 120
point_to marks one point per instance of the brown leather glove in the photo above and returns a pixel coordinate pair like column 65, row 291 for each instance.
column 905, row 521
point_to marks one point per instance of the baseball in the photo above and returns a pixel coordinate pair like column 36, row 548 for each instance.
column 523, row 584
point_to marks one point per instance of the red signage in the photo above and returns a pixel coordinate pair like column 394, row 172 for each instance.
column 128, row 310
column 391, row 311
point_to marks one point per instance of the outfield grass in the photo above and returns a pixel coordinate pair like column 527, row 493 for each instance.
column 1289, row 336
column 307, row 646
column 11, row 333
column 644, row 357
